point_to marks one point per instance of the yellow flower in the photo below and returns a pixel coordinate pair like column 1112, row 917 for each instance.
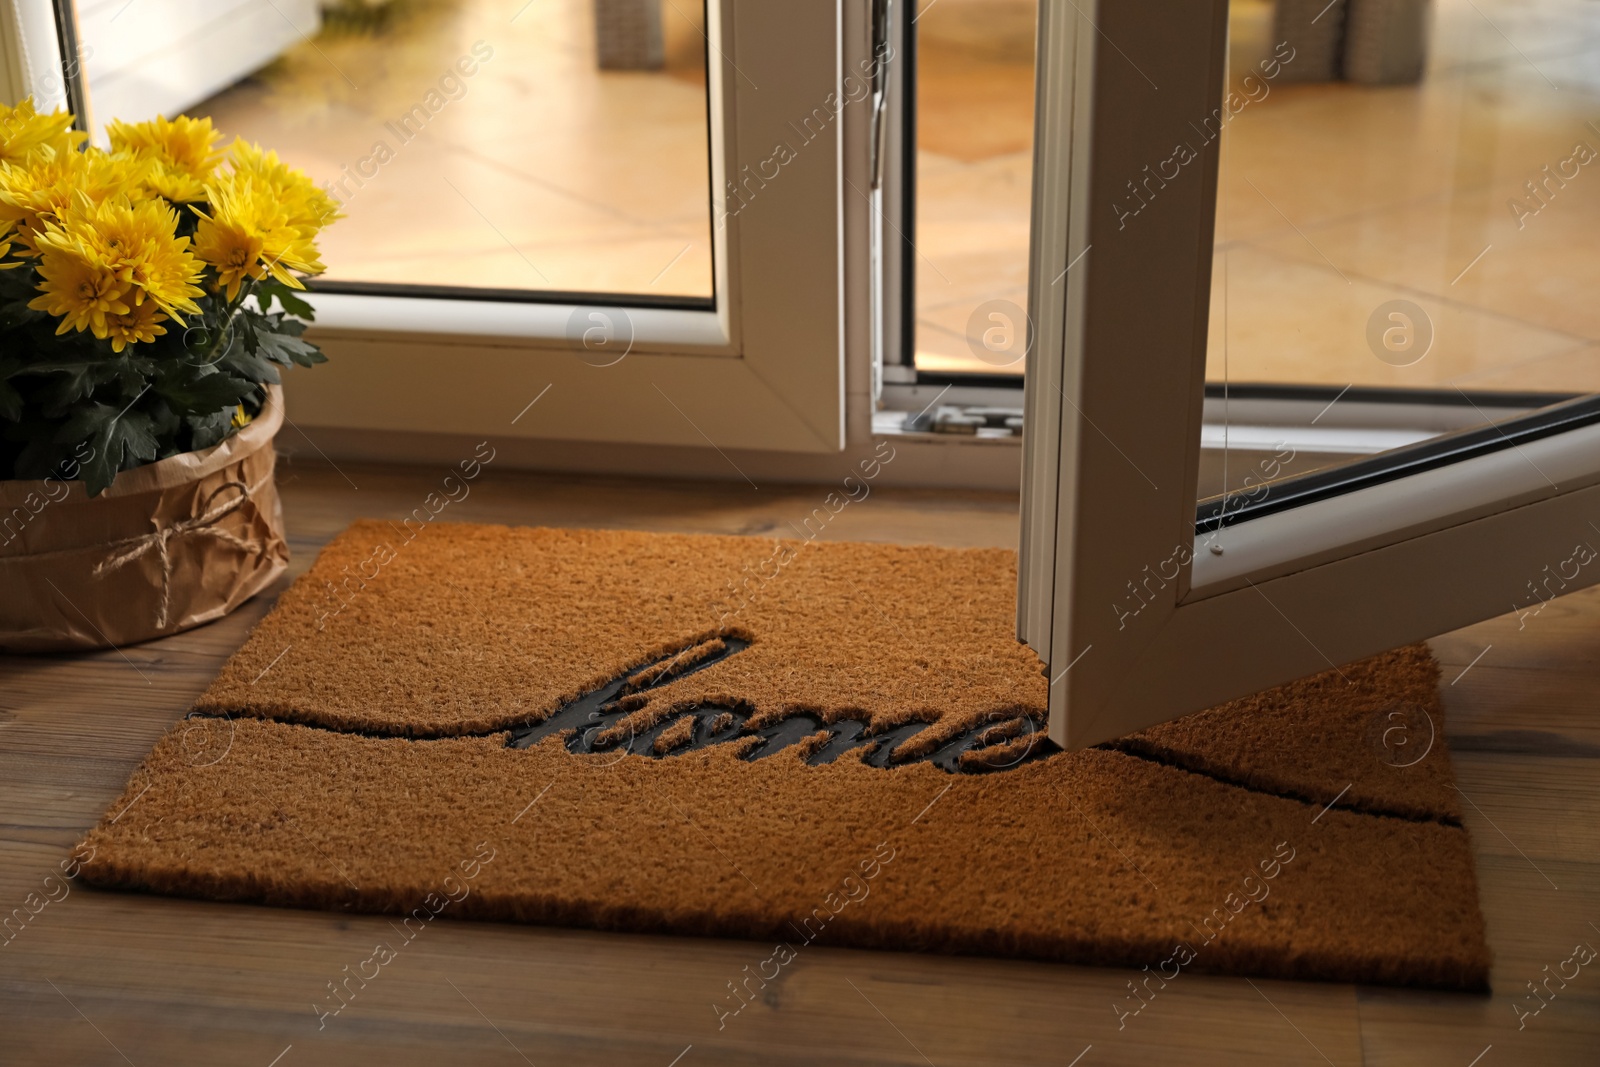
column 139, row 241
column 251, row 233
column 308, row 207
column 185, row 144
column 181, row 154
column 35, row 194
column 138, row 325
column 175, row 185
column 231, row 241
column 116, row 268
column 103, row 231
column 79, row 288
column 23, row 132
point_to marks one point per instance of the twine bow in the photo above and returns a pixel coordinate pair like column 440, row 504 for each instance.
column 202, row 525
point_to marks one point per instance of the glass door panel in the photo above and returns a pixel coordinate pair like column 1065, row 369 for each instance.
column 972, row 169
column 559, row 145
column 1408, row 199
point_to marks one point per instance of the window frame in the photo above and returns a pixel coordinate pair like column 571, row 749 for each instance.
column 901, row 384
column 1140, row 616
column 762, row 369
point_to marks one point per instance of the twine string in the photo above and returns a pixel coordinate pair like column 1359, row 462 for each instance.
column 202, row 525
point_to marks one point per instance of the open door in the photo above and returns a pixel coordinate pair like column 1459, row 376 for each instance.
column 1195, row 527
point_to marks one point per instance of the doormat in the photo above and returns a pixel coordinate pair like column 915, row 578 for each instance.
column 800, row 743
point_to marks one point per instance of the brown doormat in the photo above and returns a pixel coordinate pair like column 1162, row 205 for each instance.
column 798, row 742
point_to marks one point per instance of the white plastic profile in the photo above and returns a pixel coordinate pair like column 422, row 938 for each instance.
column 1394, row 511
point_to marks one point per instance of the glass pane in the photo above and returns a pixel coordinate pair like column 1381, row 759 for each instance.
column 504, row 144
column 974, row 167
column 1409, row 198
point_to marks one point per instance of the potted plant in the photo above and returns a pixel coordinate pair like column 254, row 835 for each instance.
column 148, row 296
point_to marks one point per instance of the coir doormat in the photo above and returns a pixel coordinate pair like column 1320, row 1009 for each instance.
column 802, row 743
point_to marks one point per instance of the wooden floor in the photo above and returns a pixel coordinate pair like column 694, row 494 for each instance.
column 100, row 978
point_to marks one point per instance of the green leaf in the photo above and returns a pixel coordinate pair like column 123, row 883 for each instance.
column 208, row 430
column 288, row 299
column 201, row 390
column 41, row 456
column 281, row 343
column 11, row 403
column 117, row 440
column 237, row 359
column 78, row 377
column 98, row 471
column 67, row 398
column 17, row 287
column 131, row 372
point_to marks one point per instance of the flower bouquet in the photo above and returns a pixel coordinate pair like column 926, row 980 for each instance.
column 149, row 292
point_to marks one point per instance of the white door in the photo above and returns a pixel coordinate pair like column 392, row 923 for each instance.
column 1208, row 217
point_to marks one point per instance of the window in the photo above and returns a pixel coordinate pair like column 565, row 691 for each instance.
column 473, row 144
column 971, row 120
column 1387, row 489
column 659, row 177
column 582, row 168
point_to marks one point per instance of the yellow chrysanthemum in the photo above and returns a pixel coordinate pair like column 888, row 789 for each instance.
column 23, row 132
column 189, row 145
column 175, row 185
column 35, row 194
column 117, row 269
column 182, row 153
column 139, row 325
column 250, row 233
column 308, row 206
column 232, row 243
column 79, row 288
column 101, row 229
column 138, row 241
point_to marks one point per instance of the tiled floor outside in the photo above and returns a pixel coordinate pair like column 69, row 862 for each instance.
column 1339, row 198
column 539, row 172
